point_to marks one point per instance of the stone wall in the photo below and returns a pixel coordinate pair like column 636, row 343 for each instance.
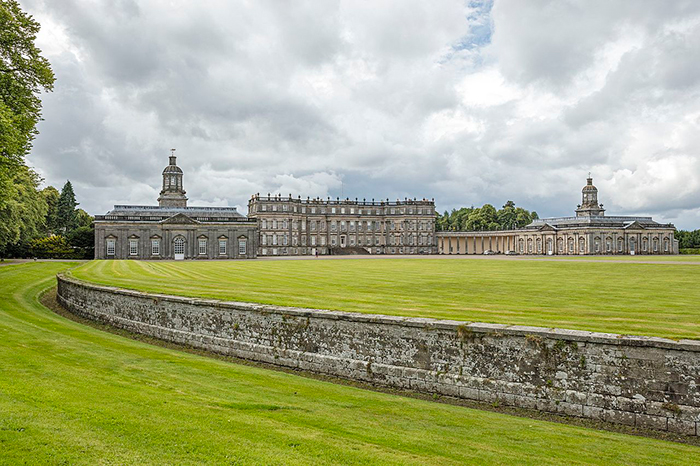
column 638, row 381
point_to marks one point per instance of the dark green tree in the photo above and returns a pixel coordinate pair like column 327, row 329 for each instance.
column 51, row 195
column 67, row 214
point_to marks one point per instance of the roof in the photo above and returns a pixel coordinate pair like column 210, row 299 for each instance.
column 157, row 210
column 597, row 221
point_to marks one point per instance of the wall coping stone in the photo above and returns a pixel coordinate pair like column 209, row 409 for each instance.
column 417, row 322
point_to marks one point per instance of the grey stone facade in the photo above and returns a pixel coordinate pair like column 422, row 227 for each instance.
column 590, row 232
column 289, row 226
column 652, row 383
column 172, row 230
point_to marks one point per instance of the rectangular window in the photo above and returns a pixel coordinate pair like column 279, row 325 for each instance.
column 202, row 246
column 323, row 240
column 222, row 247
column 133, row 247
column 313, row 241
column 110, row 247
column 241, row 247
column 155, row 247
column 332, row 210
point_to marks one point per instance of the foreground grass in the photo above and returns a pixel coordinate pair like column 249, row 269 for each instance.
column 631, row 298
column 70, row 394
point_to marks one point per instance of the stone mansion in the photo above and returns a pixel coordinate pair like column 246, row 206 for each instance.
column 590, row 232
column 284, row 226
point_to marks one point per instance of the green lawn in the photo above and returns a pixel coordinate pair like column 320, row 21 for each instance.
column 631, row 298
column 70, row 394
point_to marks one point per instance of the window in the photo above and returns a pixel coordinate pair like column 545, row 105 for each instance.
column 264, row 224
column 179, row 246
column 133, row 247
column 332, row 210
column 155, row 247
column 274, row 207
column 222, row 247
column 202, row 246
column 110, row 247
column 241, row 246
column 313, row 241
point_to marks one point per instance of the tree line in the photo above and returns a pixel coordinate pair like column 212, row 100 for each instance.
column 33, row 222
column 688, row 241
column 485, row 218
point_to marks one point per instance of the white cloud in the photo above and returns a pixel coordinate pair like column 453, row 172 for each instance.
column 454, row 100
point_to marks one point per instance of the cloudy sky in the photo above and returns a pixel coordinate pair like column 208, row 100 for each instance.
column 465, row 101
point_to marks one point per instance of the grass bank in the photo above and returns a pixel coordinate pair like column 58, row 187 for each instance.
column 71, row 394
column 631, row 298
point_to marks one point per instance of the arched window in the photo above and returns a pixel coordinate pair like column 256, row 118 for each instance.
column 179, row 245
column 666, row 244
column 608, row 244
column 655, row 242
column 645, row 245
column 529, row 245
column 596, row 242
column 521, row 245
column 539, row 245
column 560, row 246
column 581, row 246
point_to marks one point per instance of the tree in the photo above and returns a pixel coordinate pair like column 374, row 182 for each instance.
column 83, row 219
column 23, row 214
column 485, row 218
column 51, row 195
column 67, row 215
column 24, row 73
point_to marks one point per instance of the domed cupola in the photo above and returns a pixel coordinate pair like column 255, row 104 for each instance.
column 172, row 194
column 589, row 201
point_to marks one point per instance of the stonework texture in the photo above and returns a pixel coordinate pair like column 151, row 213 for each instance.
column 648, row 382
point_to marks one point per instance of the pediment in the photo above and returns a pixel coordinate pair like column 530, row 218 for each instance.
column 634, row 226
column 179, row 219
column 547, row 227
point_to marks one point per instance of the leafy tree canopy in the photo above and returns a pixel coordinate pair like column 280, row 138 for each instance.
column 24, row 73
column 23, row 212
column 485, row 218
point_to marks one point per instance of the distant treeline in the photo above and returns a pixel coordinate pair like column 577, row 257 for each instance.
column 41, row 223
column 485, row 218
column 688, row 241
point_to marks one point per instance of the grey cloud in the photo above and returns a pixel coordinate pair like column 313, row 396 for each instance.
column 368, row 99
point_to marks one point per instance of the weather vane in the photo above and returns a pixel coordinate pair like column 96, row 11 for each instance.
column 172, row 151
